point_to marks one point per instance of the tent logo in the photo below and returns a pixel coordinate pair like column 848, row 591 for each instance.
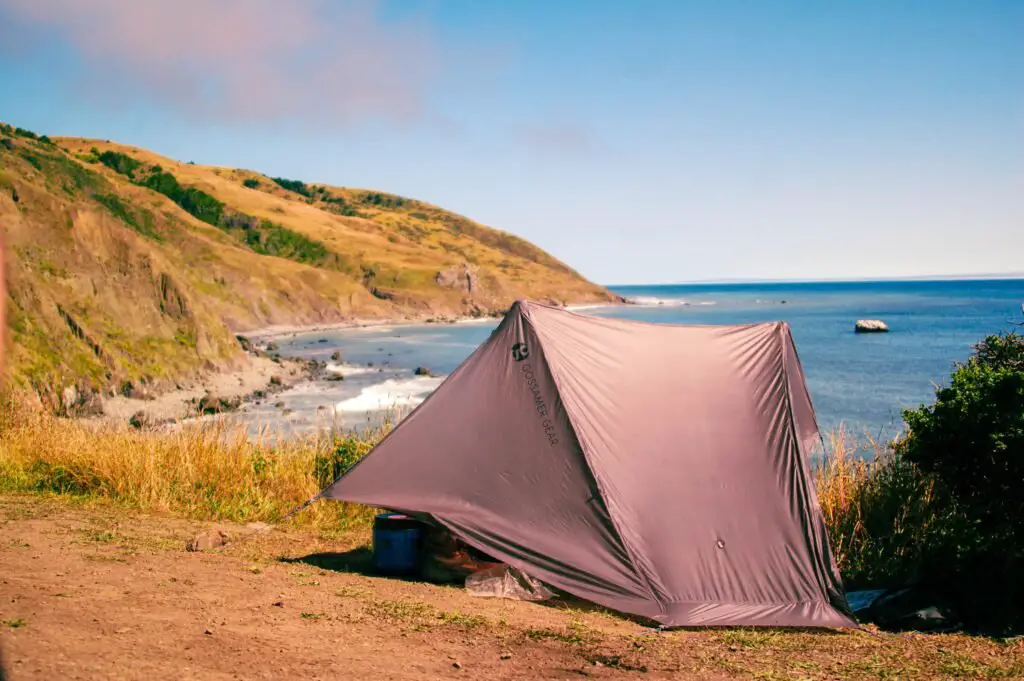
column 520, row 352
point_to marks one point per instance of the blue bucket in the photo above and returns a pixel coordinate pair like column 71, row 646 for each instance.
column 397, row 544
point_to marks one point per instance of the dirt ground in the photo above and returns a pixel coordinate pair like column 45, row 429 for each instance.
column 92, row 592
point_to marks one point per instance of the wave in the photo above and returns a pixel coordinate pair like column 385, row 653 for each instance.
column 587, row 306
column 651, row 301
column 390, row 394
column 349, row 369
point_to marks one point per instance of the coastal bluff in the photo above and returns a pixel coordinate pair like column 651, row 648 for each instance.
column 128, row 268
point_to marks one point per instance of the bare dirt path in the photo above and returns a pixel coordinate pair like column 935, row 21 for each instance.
column 95, row 593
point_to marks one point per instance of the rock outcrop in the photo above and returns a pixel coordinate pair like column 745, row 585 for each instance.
column 460, row 280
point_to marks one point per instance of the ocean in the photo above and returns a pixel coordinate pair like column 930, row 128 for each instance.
column 859, row 381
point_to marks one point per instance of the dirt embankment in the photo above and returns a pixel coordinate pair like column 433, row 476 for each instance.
column 95, row 593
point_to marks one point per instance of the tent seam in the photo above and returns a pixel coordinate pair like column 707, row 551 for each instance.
column 630, row 552
column 791, row 427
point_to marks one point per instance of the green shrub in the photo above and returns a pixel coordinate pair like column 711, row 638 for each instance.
column 201, row 205
column 972, row 441
column 337, row 204
column 383, row 200
column 294, row 186
column 118, row 162
column 251, row 183
column 32, row 159
column 273, row 239
column 196, row 202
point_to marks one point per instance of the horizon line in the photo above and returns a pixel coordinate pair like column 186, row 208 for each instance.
column 1008, row 276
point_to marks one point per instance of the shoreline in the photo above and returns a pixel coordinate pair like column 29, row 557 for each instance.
column 269, row 333
column 226, row 391
column 216, row 393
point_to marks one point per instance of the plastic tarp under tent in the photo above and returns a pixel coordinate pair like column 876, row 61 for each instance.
column 657, row 470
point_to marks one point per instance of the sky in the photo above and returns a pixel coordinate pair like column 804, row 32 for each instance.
column 641, row 142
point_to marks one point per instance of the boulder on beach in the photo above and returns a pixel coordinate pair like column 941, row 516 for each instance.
column 140, row 420
column 206, row 540
column 214, row 404
column 423, row 371
column 870, row 326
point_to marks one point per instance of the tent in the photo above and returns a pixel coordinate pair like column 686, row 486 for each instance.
column 658, row 470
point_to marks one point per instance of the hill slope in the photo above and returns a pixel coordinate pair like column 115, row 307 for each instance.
column 130, row 267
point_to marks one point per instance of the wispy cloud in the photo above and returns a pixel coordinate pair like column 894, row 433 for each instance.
column 556, row 137
column 240, row 60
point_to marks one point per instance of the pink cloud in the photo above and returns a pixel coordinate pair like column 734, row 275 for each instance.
column 313, row 60
column 557, row 137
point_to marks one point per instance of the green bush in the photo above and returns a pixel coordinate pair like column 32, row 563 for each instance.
column 201, row 205
column 972, row 441
column 273, row 239
column 118, row 162
column 338, row 204
column 383, row 200
column 251, row 183
column 296, row 186
column 196, row 202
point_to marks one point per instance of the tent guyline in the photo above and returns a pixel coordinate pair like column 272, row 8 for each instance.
column 657, row 470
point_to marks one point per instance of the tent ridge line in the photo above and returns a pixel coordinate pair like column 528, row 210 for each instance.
column 458, row 370
column 629, row 551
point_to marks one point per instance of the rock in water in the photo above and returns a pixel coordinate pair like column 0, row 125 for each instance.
column 871, row 326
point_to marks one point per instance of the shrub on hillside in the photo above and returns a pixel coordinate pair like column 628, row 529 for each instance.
column 296, row 186
column 972, row 441
column 118, row 162
column 339, row 205
column 384, row 200
column 250, row 183
column 273, row 239
column 200, row 204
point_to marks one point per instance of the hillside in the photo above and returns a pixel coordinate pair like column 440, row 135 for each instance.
column 130, row 268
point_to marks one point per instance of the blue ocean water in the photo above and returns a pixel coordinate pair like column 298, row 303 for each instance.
column 862, row 381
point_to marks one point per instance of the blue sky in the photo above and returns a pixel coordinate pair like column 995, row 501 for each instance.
column 641, row 142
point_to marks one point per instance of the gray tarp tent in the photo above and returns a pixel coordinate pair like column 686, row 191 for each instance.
column 657, row 470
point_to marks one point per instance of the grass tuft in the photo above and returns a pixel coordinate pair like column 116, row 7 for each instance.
column 879, row 510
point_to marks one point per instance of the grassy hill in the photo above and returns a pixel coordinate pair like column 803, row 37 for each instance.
column 128, row 267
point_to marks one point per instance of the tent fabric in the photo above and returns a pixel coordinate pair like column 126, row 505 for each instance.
column 658, row 470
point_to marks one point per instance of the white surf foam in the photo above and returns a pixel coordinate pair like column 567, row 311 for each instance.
column 348, row 369
column 390, row 394
column 650, row 301
column 589, row 306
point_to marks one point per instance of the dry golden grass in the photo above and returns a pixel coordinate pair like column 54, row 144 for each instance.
column 208, row 471
column 878, row 508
